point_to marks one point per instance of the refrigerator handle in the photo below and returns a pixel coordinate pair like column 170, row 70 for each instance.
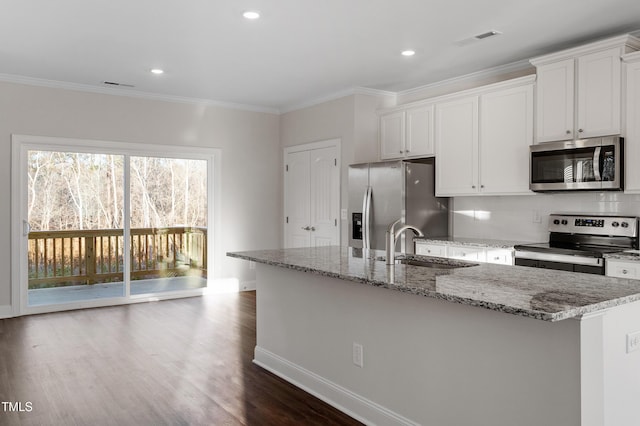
column 366, row 219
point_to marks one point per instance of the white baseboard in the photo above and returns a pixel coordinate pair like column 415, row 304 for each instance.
column 6, row 311
column 247, row 286
column 356, row 406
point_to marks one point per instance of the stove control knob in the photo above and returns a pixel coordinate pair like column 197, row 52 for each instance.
column 556, row 222
column 625, row 224
column 564, row 221
column 616, row 224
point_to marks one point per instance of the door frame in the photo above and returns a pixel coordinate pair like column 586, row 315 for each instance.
column 328, row 143
column 20, row 144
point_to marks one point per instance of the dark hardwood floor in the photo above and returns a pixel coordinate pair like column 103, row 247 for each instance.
column 176, row 362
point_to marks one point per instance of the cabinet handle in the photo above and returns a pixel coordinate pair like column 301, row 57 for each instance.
column 568, row 132
column 580, row 130
column 473, row 186
column 625, row 272
column 401, row 151
column 481, row 186
column 406, row 150
column 428, row 251
column 313, row 228
column 306, row 228
column 496, row 258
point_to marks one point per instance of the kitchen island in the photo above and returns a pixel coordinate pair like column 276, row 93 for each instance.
column 479, row 345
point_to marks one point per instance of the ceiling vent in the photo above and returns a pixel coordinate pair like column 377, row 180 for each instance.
column 113, row 83
column 478, row 37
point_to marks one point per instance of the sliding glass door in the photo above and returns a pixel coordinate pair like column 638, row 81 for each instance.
column 109, row 225
column 168, row 224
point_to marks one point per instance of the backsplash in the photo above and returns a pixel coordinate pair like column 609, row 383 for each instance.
column 512, row 217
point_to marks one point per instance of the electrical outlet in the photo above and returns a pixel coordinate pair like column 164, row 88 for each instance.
column 343, row 214
column 633, row 341
column 358, row 355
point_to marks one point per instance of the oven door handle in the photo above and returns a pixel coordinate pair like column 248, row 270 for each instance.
column 596, row 164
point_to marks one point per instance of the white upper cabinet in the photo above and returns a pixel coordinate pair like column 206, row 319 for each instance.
column 483, row 141
column 407, row 133
column 632, row 135
column 554, row 110
column 579, row 91
column 457, row 147
column 506, row 131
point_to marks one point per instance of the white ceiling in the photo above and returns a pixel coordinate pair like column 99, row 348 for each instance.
column 300, row 50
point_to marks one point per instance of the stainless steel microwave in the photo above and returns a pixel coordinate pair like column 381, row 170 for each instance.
column 594, row 164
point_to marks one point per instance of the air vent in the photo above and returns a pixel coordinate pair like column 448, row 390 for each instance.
column 478, row 37
column 113, row 83
column 487, row 35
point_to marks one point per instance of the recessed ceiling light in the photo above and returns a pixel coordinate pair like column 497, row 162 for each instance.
column 408, row 52
column 157, row 71
column 251, row 14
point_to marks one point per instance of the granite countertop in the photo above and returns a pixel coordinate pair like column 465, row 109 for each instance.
column 542, row 294
column 472, row 242
column 627, row 256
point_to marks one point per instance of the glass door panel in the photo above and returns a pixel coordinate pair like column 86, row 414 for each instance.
column 75, row 215
column 168, row 224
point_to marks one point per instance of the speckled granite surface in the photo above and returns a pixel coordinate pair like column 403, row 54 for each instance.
column 627, row 256
column 531, row 292
column 473, row 242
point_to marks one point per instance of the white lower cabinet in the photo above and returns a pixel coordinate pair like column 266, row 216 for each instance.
column 464, row 252
column 622, row 269
column 472, row 254
column 439, row 250
column 500, row 256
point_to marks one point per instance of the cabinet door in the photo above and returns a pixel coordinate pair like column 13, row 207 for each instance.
column 428, row 249
column 500, row 256
column 457, row 147
column 472, row 254
column 419, row 135
column 622, row 269
column 554, row 109
column 506, row 131
column 392, row 135
column 599, row 92
column 632, row 140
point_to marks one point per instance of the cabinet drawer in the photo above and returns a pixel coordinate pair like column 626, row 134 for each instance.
column 439, row 250
column 619, row 269
column 466, row 253
column 500, row 256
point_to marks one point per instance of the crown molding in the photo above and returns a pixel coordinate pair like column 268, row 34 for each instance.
column 485, row 73
column 55, row 84
column 619, row 41
column 337, row 95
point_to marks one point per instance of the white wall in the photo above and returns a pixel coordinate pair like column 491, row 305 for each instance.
column 511, row 217
column 249, row 142
column 352, row 119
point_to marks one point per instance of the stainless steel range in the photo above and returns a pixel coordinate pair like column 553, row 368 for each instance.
column 579, row 242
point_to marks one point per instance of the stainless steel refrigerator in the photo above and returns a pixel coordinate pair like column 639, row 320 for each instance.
column 381, row 193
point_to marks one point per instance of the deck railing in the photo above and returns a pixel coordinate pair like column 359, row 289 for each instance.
column 59, row 258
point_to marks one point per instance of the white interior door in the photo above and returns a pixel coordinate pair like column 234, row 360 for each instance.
column 324, row 197
column 312, row 195
column 298, row 201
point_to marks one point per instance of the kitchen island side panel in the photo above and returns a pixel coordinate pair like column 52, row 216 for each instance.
column 426, row 360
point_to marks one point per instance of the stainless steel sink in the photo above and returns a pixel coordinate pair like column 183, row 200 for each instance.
column 425, row 262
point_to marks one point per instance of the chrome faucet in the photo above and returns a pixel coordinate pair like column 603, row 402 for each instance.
column 392, row 238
